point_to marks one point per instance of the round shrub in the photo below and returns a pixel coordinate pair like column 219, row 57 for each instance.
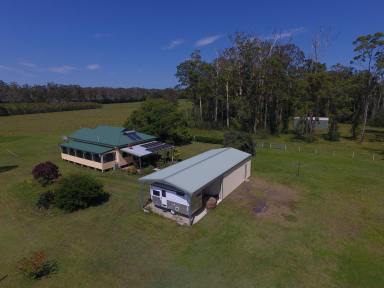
column 45, row 200
column 78, row 192
column 45, row 173
column 37, row 266
column 239, row 140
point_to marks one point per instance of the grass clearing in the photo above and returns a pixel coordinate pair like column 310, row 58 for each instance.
column 332, row 237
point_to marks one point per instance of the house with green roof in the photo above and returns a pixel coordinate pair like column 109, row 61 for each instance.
column 107, row 147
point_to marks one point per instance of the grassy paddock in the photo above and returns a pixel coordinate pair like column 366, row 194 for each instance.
column 332, row 237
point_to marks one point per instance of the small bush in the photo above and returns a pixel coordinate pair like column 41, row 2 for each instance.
column 131, row 169
column 46, row 200
column 239, row 140
column 46, row 173
column 332, row 136
column 78, row 192
column 37, row 266
column 208, row 139
column 378, row 121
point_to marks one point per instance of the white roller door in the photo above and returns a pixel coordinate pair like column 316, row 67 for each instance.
column 235, row 177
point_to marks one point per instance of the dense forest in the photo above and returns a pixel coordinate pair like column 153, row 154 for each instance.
column 262, row 83
column 15, row 93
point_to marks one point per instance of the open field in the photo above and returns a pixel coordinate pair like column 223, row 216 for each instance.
column 323, row 228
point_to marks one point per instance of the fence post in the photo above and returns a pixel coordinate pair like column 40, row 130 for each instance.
column 262, row 145
column 270, row 145
column 299, row 149
column 285, row 147
column 373, row 157
column 353, row 154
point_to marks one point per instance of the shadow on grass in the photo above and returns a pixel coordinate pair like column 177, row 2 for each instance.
column 374, row 150
column 100, row 199
column 7, row 168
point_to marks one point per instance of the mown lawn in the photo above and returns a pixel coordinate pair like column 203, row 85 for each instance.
column 334, row 236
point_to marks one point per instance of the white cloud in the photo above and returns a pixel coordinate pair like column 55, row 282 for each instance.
column 27, row 64
column 7, row 68
column 100, row 35
column 62, row 69
column 207, row 40
column 15, row 70
column 174, row 44
column 93, row 67
column 286, row 33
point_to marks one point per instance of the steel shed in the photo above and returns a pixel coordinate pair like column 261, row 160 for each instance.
column 181, row 187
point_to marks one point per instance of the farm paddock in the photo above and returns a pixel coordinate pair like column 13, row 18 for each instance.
column 331, row 233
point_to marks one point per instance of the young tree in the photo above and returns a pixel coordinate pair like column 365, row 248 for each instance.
column 45, row 173
column 161, row 118
column 369, row 51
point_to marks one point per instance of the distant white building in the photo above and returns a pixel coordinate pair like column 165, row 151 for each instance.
column 319, row 122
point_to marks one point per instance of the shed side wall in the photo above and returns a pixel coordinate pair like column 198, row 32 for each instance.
column 235, row 177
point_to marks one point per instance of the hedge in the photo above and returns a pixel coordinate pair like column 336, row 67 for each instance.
column 208, row 139
column 7, row 109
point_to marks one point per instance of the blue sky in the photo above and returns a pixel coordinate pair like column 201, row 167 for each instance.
column 140, row 43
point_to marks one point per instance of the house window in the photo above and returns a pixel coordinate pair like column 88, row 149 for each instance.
column 79, row 153
column 181, row 194
column 64, row 150
column 156, row 193
column 88, row 156
column 72, row 152
column 163, row 193
column 109, row 157
column 96, row 158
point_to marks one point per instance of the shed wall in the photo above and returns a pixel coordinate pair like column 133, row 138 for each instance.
column 235, row 177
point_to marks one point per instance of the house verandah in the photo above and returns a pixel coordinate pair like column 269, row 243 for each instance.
column 106, row 147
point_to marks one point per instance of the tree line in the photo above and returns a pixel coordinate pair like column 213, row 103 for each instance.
column 51, row 92
column 261, row 84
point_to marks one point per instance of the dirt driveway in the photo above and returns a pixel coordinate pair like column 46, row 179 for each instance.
column 267, row 200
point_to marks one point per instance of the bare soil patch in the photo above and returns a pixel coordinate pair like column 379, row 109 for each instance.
column 266, row 199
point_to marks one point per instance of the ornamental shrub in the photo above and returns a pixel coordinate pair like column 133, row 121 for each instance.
column 79, row 192
column 37, row 266
column 45, row 200
column 46, row 173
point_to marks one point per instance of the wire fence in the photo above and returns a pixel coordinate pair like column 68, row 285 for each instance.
column 322, row 151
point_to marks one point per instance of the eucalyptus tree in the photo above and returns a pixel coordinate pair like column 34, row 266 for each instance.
column 369, row 51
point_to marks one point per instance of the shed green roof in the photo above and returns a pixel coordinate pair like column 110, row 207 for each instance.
column 195, row 173
column 86, row 147
column 110, row 136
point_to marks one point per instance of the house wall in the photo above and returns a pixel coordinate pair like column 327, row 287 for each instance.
column 89, row 163
column 120, row 160
column 233, row 178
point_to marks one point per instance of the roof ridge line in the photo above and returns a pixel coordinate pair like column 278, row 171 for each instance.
column 225, row 149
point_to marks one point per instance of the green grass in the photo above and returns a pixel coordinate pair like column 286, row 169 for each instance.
column 334, row 238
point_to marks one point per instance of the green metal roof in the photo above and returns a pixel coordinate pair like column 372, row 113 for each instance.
column 109, row 136
column 86, row 147
column 194, row 173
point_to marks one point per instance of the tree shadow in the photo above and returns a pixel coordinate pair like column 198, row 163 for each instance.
column 7, row 168
column 102, row 198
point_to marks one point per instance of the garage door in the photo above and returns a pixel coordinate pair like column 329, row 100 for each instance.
column 234, row 178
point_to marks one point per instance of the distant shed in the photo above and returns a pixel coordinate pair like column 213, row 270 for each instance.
column 318, row 122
